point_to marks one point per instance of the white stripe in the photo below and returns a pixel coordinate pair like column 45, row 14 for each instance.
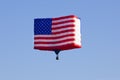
column 56, row 35
column 53, row 40
column 62, row 29
column 61, row 20
column 53, row 45
column 63, row 24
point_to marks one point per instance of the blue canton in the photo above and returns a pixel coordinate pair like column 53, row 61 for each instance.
column 42, row 26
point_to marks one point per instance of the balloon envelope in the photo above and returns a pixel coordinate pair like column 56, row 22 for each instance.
column 59, row 33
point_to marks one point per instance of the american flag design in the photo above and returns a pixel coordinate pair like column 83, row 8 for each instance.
column 60, row 33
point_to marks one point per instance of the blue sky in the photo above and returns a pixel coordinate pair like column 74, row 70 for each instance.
column 98, row 59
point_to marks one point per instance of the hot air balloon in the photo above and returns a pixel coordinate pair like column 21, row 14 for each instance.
column 57, row 34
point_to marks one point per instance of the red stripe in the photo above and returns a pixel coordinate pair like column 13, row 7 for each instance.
column 62, row 22
column 55, row 42
column 54, row 37
column 63, row 47
column 64, row 17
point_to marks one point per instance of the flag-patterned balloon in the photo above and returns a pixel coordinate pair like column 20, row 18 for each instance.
column 60, row 33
